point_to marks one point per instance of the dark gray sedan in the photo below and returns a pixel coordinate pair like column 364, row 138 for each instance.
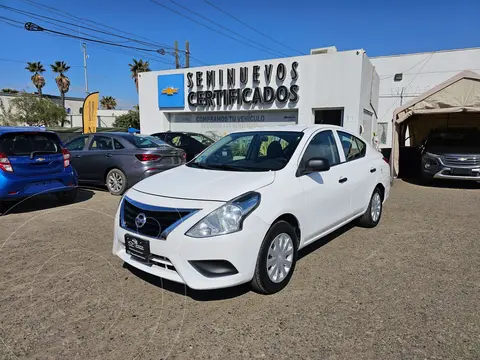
column 120, row 160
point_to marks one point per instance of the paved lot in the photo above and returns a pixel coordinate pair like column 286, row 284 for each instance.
column 408, row 289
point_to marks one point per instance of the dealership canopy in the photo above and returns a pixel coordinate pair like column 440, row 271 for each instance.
column 443, row 105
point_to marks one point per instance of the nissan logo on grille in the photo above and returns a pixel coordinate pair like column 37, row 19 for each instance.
column 141, row 220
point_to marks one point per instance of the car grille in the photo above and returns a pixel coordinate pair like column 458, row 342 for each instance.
column 467, row 160
column 151, row 221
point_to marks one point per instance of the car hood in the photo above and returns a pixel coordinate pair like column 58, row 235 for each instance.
column 184, row 182
column 450, row 150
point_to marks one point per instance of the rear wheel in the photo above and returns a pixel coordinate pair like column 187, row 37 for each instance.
column 276, row 259
column 116, row 182
column 372, row 216
column 67, row 197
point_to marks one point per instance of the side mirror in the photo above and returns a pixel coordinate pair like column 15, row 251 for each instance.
column 314, row 165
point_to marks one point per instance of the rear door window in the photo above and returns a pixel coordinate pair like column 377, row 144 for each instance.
column 353, row 147
column 101, row 143
column 77, row 144
column 22, row 144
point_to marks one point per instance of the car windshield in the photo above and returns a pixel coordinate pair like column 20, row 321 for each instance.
column 20, row 144
column 202, row 139
column 145, row 141
column 250, row 151
column 455, row 138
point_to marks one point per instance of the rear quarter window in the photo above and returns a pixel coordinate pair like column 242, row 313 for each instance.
column 19, row 144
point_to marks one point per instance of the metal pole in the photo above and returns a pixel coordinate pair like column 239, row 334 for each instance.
column 187, row 54
column 177, row 64
column 85, row 56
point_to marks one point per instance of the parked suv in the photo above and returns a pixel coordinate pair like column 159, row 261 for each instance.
column 33, row 161
column 452, row 154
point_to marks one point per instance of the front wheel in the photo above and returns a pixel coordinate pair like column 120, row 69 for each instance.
column 372, row 216
column 276, row 259
column 116, row 182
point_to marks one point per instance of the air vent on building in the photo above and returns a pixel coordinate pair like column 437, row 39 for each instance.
column 324, row 50
column 398, row 77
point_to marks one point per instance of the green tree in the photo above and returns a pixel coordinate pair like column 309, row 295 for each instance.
column 137, row 67
column 32, row 110
column 9, row 91
column 63, row 82
column 130, row 119
column 36, row 68
column 6, row 115
column 108, row 102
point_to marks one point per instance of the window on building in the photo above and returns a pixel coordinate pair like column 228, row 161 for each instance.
column 382, row 129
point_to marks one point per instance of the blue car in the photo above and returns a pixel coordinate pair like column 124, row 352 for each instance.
column 34, row 161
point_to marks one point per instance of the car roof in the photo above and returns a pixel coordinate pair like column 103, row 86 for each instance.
column 295, row 127
column 18, row 129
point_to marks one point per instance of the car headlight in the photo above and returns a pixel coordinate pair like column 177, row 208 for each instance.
column 227, row 218
column 431, row 160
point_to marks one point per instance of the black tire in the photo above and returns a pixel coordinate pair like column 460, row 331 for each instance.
column 116, row 182
column 367, row 220
column 3, row 208
column 67, row 197
column 261, row 281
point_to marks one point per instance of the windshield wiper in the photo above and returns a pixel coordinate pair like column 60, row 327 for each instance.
column 33, row 153
column 217, row 166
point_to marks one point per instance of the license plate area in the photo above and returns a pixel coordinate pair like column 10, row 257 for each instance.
column 138, row 248
column 462, row 172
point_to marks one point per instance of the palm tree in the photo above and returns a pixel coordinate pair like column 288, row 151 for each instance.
column 138, row 67
column 63, row 82
column 36, row 68
column 108, row 102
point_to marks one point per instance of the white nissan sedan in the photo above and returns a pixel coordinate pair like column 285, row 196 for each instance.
column 240, row 211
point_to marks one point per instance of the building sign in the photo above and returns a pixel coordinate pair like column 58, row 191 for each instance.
column 235, row 117
column 171, row 91
column 219, row 87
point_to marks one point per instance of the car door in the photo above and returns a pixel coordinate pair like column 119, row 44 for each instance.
column 363, row 175
column 77, row 148
column 326, row 195
column 99, row 157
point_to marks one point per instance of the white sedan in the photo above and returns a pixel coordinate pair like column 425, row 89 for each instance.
column 240, row 211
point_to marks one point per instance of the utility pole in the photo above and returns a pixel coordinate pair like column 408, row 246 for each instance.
column 177, row 63
column 85, row 56
column 187, row 54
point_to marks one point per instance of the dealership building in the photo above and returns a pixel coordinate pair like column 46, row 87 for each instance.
column 345, row 88
column 327, row 86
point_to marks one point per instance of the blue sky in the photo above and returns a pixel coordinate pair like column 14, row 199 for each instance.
column 379, row 27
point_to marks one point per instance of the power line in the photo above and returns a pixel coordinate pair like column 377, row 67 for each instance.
column 410, row 68
column 250, row 27
column 210, row 28
column 42, row 17
column 33, row 27
column 410, row 83
column 96, row 28
column 225, row 28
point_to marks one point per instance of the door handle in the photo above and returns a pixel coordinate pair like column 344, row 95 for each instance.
column 108, row 155
column 342, row 180
column 372, row 170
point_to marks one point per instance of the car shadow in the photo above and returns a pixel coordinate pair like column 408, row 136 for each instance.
column 446, row 184
column 227, row 293
column 43, row 202
column 307, row 250
column 181, row 289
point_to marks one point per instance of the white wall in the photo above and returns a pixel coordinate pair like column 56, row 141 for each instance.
column 325, row 81
column 421, row 72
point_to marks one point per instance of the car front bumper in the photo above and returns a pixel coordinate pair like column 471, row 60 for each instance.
column 177, row 257
column 434, row 168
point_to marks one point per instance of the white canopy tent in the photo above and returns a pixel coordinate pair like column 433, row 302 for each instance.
column 455, row 102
